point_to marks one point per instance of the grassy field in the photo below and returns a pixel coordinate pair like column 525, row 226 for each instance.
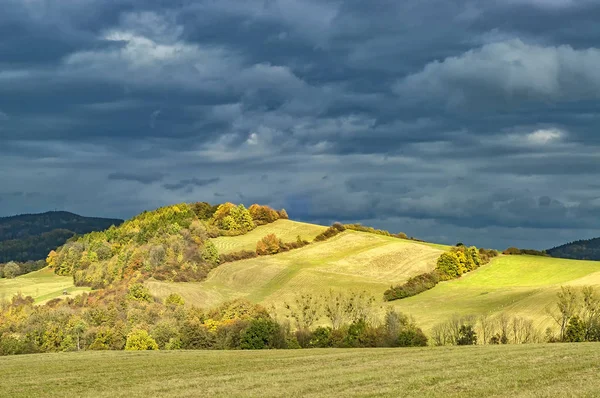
column 42, row 285
column 286, row 230
column 350, row 261
column 519, row 285
column 559, row 370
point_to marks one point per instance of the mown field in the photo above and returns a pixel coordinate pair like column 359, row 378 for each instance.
column 558, row 370
column 350, row 261
column 42, row 285
column 286, row 230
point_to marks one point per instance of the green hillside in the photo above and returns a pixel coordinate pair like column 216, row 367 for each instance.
column 541, row 370
column 350, row 261
column 42, row 285
column 516, row 285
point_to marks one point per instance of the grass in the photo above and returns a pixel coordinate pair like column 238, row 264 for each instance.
column 286, row 230
column 351, row 261
column 491, row 371
column 519, row 285
column 42, row 285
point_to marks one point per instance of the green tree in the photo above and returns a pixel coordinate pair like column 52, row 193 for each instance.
column 210, row 253
column 11, row 270
column 448, row 266
column 140, row 340
column 139, row 292
column 466, row 336
column 575, row 330
column 261, row 333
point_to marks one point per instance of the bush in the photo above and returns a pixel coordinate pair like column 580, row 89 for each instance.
column 413, row 286
column 236, row 256
column 270, row 244
column 412, row 337
column 140, row 340
column 261, row 333
column 330, row 232
column 466, row 336
column 321, row 337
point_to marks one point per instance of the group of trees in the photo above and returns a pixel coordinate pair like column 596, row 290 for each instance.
column 577, row 314
column 371, row 230
column 13, row 269
column 170, row 243
column 450, row 265
column 351, row 320
column 130, row 318
column 588, row 249
column 485, row 329
column 271, row 244
column 530, row 252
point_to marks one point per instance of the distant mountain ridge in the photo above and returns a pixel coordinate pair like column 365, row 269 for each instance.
column 28, row 237
column 586, row 249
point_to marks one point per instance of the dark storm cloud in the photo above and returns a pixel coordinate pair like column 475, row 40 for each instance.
column 142, row 178
column 476, row 119
column 190, row 183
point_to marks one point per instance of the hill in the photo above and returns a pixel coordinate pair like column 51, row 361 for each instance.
column 541, row 370
column 350, row 261
column 579, row 250
column 30, row 237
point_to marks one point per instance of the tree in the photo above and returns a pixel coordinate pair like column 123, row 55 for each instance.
column 448, row 266
column 305, row 310
column 283, row 214
column 210, row 253
column 139, row 292
column 466, row 336
column 174, row 299
column 575, row 330
column 261, row 333
column 11, row 270
column 567, row 306
column 140, row 340
column 270, row 244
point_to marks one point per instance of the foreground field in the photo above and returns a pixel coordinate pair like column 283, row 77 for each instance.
column 518, row 285
column 286, row 230
column 42, row 285
column 350, row 261
column 564, row 370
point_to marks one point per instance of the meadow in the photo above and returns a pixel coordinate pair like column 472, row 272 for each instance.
column 42, row 285
column 539, row 370
column 353, row 260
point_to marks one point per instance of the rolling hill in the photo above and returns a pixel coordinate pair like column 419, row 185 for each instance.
column 31, row 236
column 519, row 285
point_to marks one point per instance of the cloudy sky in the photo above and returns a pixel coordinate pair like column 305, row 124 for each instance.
column 473, row 121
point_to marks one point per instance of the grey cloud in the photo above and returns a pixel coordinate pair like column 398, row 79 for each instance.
column 190, row 183
column 143, row 178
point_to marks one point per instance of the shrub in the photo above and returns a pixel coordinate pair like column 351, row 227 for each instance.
column 575, row 331
column 236, row 256
column 466, row 336
column 11, row 270
column 413, row 286
column 330, row 232
column 139, row 292
column 270, row 244
column 140, row 340
column 321, row 337
column 174, row 299
column 412, row 337
column 448, row 266
column 261, row 333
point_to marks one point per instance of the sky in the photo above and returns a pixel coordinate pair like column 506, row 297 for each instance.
column 451, row 121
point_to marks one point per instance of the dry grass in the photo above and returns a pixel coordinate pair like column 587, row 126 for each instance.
column 560, row 370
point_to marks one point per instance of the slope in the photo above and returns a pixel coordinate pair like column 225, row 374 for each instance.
column 520, row 285
column 286, row 230
column 350, row 261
